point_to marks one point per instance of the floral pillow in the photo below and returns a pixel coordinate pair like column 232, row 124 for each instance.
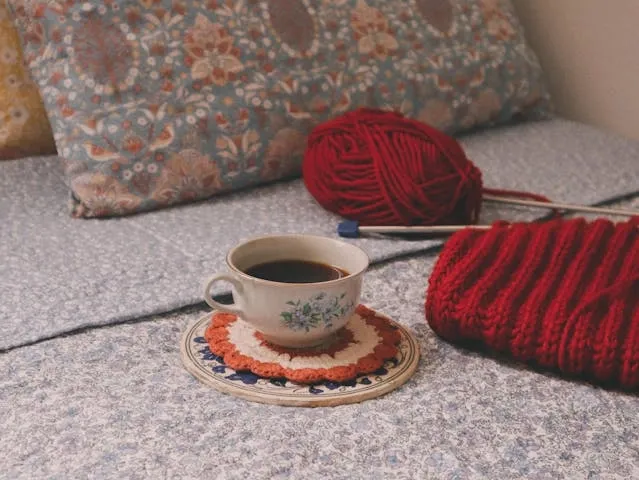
column 160, row 102
column 24, row 127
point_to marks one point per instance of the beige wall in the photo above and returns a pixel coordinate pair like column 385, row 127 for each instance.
column 590, row 51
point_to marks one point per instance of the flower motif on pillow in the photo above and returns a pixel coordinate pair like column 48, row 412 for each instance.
column 498, row 24
column 372, row 31
column 187, row 176
column 103, row 195
column 212, row 55
column 160, row 102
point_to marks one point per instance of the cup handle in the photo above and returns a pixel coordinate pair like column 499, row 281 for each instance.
column 232, row 308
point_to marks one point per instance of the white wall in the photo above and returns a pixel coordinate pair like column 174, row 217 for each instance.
column 590, row 51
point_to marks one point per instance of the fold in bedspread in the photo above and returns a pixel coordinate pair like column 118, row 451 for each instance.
column 58, row 274
column 117, row 403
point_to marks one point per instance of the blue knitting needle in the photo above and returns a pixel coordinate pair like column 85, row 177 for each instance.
column 352, row 229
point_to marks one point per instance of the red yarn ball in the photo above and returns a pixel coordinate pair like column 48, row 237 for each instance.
column 382, row 168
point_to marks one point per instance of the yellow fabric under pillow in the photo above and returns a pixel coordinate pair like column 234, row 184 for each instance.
column 24, row 126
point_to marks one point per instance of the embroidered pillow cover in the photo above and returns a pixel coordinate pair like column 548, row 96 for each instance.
column 160, row 102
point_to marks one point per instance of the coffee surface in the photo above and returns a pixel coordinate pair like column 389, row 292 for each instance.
column 295, row 271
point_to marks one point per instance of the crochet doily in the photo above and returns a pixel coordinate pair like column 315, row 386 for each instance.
column 213, row 370
column 362, row 346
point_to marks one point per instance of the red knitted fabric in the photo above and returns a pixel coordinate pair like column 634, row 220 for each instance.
column 561, row 295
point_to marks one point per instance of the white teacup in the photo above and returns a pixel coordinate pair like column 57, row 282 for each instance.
column 293, row 314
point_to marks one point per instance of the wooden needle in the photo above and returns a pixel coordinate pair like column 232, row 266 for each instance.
column 433, row 229
column 562, row 206
column 352, row 229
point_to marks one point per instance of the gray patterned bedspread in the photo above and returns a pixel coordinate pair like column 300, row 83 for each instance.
column 59, row 274
column 113, row 401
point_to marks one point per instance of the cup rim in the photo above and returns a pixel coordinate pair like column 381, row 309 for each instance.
column 291, row 284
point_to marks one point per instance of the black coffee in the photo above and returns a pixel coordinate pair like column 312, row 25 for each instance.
column 296, row 271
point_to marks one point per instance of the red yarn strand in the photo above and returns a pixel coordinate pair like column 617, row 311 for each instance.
column 500, row 192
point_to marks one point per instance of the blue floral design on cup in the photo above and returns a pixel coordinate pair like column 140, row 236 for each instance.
column 318, row 311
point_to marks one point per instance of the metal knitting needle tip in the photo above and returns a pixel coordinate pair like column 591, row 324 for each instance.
column 562, row 206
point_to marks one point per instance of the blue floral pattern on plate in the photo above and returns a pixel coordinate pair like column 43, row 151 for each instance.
column 249, row 378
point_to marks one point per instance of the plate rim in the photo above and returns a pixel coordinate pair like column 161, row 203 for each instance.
column 195, row 368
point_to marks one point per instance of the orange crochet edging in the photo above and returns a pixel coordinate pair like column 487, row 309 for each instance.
column 217, row 337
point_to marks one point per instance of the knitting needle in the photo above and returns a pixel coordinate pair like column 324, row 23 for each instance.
column 352, row 229
column 562, row 206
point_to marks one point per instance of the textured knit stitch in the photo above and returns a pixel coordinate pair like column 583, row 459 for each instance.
column 562, row 295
